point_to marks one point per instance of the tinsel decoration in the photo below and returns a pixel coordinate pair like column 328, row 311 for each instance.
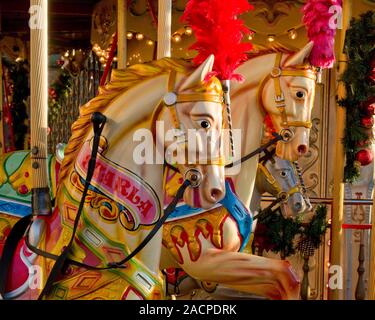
column 360, row 93
column 317, row 20
column 219, row 31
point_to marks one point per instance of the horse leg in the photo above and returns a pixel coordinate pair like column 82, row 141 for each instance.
column 271, row 278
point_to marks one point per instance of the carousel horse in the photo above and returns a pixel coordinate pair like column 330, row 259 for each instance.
column 276, row 177
column 122, row 199
column 205, row 244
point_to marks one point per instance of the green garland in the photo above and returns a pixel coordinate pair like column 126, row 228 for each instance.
column 58, row 91
column 18, row 72
column 279, row 235
column 359, row 47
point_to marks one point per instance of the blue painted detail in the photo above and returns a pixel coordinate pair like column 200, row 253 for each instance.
column 15, row 208
column 230, row 202
column 239, row 213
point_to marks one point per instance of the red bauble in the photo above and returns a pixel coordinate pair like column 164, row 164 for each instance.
column 367, row 122
column 52, row 93
column 368, row 106
column 364, row 157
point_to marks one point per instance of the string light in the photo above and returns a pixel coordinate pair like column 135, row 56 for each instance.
column 292, row 33
column 139, row 36
column 150, row 42
column 129, row 35
column 271, row 38
column 176, row 37
column 251, row 35
column 188, row 31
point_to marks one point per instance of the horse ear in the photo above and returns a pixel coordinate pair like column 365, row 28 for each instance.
column 199, row 74
column 299, row 57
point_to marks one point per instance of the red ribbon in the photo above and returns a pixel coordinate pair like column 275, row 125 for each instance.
column 357, row 226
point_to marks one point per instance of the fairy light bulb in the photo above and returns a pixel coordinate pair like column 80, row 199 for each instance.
column 150, row 42
column 176, row 37
column 292, row 33
column 129, row 35
column 188, row 31
column 139, row 36
column 251, row 35
column 271, row 38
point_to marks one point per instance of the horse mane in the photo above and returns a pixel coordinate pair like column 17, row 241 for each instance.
column 259, row 50
column 120, row 82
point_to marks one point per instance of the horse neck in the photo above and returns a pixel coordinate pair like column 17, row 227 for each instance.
column 248, row 117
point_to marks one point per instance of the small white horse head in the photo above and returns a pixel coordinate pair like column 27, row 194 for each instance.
column 288, row 96
column 199, row 111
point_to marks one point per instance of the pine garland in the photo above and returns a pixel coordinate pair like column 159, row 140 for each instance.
column 359, row 47
column 288, row 236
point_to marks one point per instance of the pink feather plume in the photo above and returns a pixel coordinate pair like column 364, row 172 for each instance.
column 219, row 31
column 317, row 18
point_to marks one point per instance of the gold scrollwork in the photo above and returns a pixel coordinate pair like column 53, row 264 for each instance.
column 107, row 208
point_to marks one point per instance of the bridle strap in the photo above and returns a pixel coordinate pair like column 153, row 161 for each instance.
column 191, row 97
column 197, row 97
column 276, row 73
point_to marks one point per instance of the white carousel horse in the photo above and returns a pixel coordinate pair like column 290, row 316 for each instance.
column 124, row 199
column 205, row 245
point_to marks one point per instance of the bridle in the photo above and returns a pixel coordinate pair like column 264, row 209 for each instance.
column 283, row 196
column 170, row 101
column 276, row 74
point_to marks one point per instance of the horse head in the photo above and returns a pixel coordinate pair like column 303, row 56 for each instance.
column 287, row 95
column 197, row 114
column 279, row 178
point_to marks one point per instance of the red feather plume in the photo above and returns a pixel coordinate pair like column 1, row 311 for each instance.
column 219, row 31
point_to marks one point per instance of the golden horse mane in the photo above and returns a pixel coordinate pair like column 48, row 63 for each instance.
column 121, row 81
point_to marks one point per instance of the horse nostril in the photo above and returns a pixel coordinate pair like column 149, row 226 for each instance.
column 302, row 149
column 216, row 193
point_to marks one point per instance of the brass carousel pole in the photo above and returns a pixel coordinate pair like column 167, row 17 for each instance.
column 338, row 178
column 121, row 31
column 41, row 201
column 164, row 28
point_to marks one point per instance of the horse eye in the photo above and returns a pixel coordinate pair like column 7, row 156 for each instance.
column 300, row 94
column 283, row 174
column 204, row 124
